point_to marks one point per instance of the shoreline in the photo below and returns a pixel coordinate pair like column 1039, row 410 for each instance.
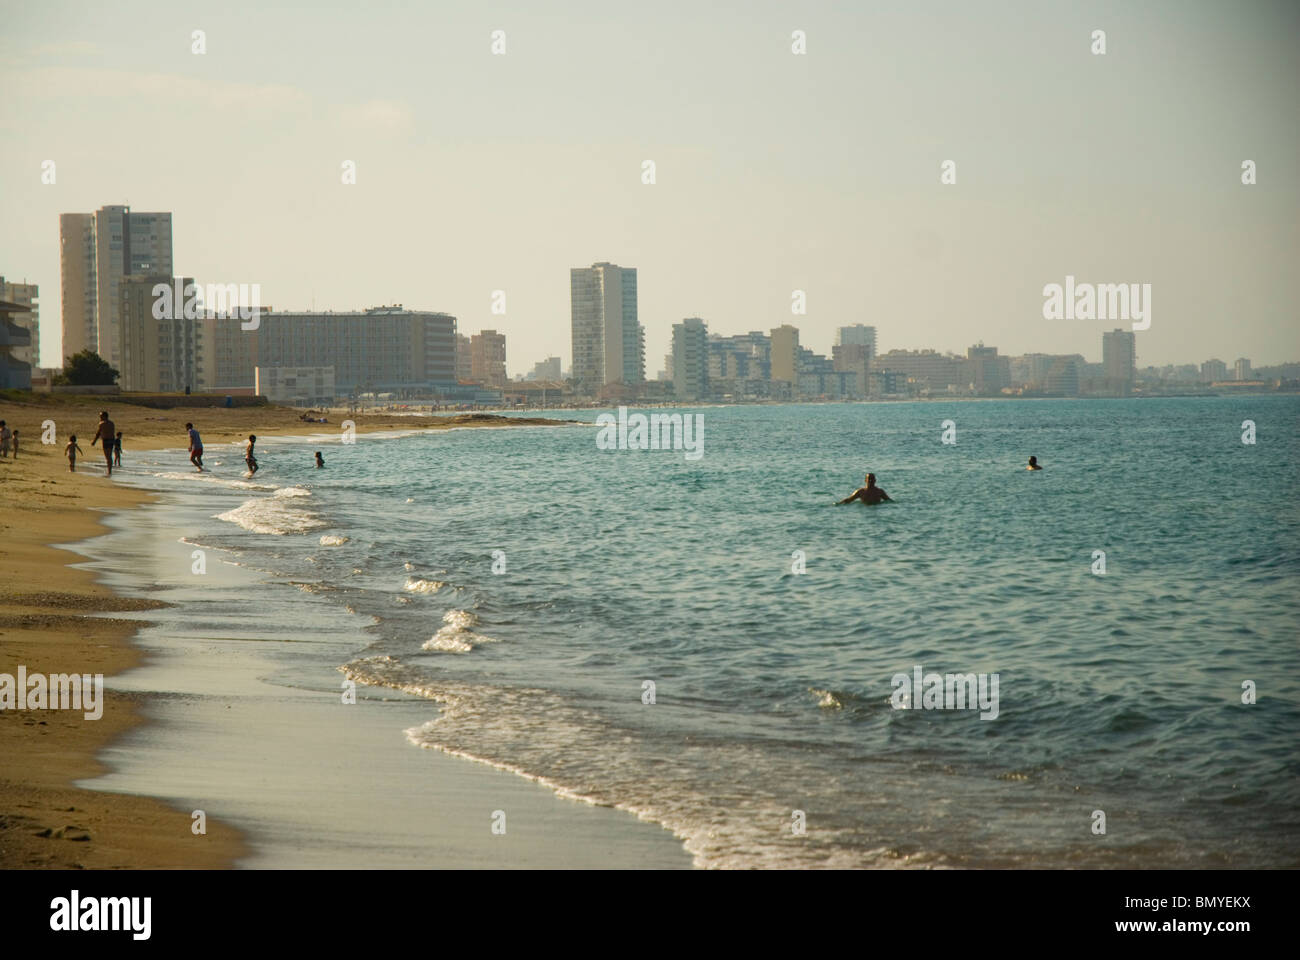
column 46, row 821
column 65, row 800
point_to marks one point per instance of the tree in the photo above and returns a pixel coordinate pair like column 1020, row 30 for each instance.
column 88, row 369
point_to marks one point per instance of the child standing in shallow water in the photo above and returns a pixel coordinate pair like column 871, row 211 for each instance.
column 117, row 450
column 250, row 457
column 72, row 450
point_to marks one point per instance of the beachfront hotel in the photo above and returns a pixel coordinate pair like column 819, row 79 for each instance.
column 380, row 348
column 98, row 250
column 608, row 342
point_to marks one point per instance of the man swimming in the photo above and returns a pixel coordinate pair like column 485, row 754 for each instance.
column 1033, row 464
column 870, row 494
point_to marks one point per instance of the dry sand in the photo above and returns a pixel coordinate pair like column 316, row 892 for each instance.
column 51, row 621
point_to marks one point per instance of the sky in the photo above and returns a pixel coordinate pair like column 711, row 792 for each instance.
column 774, row 171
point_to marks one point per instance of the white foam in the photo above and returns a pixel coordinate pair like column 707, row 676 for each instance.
column 456, row 636
column 329, row 540
column 276, row 515
column 418, row 585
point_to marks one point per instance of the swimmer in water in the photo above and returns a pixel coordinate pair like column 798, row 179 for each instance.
column 870, row 494
column 1033, row 464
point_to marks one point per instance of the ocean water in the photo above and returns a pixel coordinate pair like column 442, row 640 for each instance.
column 1119, row 693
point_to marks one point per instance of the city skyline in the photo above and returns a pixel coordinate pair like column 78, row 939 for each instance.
column 753, row 199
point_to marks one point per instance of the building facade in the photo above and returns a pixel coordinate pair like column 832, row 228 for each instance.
column 548, row 369
column 690, row 359
column 487, row 351
column 158, row 352
column 25, row 295
column 857, row 335
column 785, row 354
column 378, row 349
column 77, row 283
column 295, row 386
column 922, row 371
column 1119, row 358
column 607, row 339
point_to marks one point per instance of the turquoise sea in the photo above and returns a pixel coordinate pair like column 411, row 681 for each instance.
column 530, row 585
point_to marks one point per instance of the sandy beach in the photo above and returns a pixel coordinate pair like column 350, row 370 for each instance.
column 59, row 614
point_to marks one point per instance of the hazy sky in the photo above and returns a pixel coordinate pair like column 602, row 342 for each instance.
column 775, row 172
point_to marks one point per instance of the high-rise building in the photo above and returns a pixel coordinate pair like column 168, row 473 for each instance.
column 381, row 348
column 988, row 373
column 859, row 335
column 487, row 352
column 548, row 369
column 690, row 359
column 464, row 358
column 77, row 276
column 158, row 352
column 1119, row 359
column 98, row 250
column 608, row 342
column 1240, row 369
column 854, row 358
column 1213, row 371
column 25, row 295
column 785, row 354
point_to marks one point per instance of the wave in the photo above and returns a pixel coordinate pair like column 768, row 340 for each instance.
column 419, row 585
column 456, row 636
column 329, row 540
column 277, row 515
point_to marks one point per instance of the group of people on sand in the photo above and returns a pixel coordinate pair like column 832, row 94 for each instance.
column 872, row 494
column 8, row 438
column 111, row 437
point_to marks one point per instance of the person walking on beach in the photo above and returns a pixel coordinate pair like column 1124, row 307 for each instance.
column 1033, row 464
column 72, row 450
column 5, row 437
column 15, row 444
column 249, row 457
column 117, row 450
column 870, row 494
column 107, row 433
column 196, row 447
column 320, row 461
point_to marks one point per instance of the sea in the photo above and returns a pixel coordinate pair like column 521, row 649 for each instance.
column 714, row 645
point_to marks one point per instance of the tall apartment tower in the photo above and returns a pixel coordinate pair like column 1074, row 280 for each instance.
column 1240, row 370
column 608, row 342
column 98, row 250
column 858, row 335
column 487, row 352
column 28, row 295
column 1119, row 358
column 690, row 359
column 785, row 353
column 77, row 276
